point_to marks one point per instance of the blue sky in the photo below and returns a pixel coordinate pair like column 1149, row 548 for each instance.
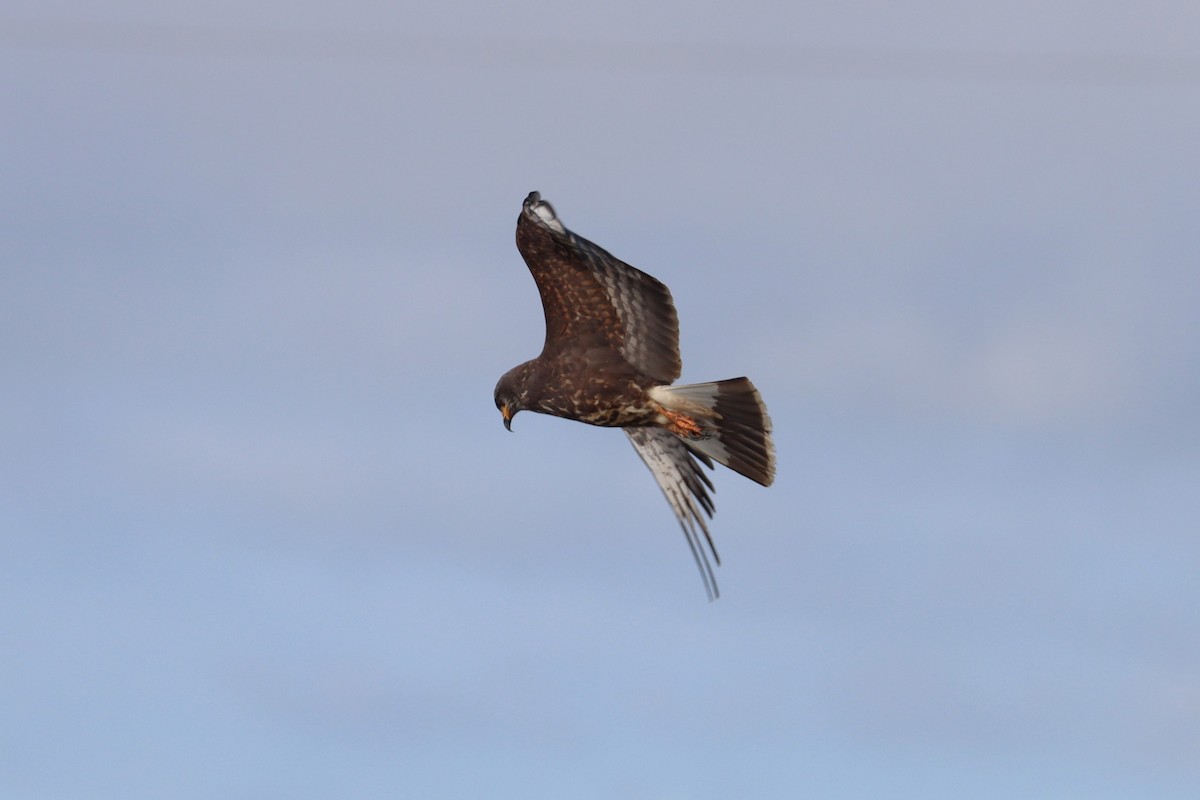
column 262, row 532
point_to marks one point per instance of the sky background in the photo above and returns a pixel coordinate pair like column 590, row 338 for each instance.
column 262, row 533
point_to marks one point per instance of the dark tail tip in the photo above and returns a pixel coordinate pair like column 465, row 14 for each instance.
column 745, row 430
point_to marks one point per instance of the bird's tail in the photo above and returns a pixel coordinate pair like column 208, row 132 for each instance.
column 724, row 420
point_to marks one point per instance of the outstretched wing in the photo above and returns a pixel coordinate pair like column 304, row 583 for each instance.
column 677, row 470
column 593, row 299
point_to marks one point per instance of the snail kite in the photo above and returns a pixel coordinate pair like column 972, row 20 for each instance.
column 611, row 353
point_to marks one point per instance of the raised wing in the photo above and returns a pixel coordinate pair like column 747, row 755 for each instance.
column 686, row 486
column 593, row 299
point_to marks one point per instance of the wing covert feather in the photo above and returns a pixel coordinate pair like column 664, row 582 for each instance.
column 590, row 297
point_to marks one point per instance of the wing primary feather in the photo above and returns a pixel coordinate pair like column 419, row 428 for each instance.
column 701, row 558
column 590, row 295
column 677, row 470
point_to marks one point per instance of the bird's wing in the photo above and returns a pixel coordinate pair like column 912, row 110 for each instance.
column 686, row 486
column 593, row 299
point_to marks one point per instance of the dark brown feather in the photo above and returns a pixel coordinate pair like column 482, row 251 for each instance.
column 593, row 299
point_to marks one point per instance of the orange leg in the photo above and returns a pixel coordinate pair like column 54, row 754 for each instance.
column 682, row 425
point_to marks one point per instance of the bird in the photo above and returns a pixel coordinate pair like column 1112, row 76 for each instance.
column 610, row 359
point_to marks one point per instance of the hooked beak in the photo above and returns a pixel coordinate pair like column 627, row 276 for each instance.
column 507, row 414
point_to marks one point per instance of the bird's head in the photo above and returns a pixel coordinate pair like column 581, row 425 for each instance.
column 510, row 395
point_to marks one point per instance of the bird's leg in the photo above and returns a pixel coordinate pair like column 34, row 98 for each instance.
column 682, row 425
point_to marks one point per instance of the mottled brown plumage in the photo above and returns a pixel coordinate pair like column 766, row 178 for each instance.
column 610, row 355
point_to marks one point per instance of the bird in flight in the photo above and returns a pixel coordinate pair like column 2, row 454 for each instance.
column 610, row 357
